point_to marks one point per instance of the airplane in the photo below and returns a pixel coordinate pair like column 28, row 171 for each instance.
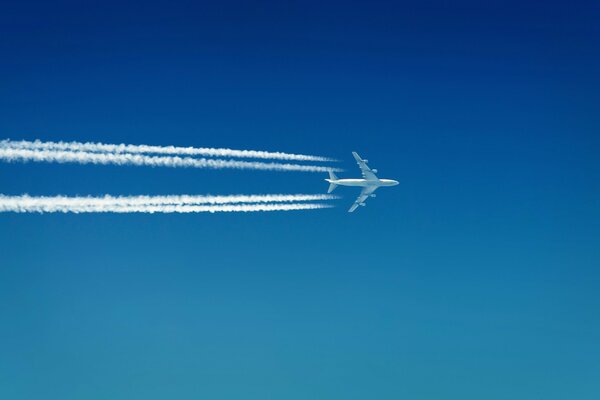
column 369, row 183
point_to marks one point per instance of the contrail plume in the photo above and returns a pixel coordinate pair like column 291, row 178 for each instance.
column 159, row 204
column 131, row 201
column 61, row 156
column 164, row 150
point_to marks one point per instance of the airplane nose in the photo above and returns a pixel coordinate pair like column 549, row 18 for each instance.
column 396, row 183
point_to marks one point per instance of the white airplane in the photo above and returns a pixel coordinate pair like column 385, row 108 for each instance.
column 369, row 183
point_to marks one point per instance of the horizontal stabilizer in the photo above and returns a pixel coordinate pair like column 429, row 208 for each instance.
column 332, row 186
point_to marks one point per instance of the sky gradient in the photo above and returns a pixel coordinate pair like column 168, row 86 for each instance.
column 476, row 277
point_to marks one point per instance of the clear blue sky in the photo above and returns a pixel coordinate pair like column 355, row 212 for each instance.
column 476, row 278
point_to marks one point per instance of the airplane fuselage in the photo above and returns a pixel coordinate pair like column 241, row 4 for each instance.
column 363, row 182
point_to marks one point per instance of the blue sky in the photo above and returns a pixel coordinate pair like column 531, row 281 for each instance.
column 476, row 277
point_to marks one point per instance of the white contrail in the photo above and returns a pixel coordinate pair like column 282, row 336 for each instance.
column 131, row 201
column 61, row 156
column 174, row 208
column 165, row 150
column 161, row 204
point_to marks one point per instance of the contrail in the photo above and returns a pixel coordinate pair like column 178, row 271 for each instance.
column 158, row 200
column 61, row 156
column 176, row 208
column 165, row 150
column 161, row 204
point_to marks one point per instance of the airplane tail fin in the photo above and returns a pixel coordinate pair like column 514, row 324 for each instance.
column 332, row 177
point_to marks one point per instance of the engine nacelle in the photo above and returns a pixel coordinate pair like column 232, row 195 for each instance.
column 366, row 161
column 362, row 204
column 373, row 195
column 375, row 171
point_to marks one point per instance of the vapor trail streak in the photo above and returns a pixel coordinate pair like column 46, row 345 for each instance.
column 165, row 150
column 161, row 204
column 133, row 201
column 61, row 156
column 164, row 208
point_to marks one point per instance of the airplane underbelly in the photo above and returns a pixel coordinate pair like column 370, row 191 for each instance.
column 352, row 182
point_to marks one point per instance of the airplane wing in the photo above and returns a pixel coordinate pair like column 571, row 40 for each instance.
column 367, row 172
column 364, row 194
